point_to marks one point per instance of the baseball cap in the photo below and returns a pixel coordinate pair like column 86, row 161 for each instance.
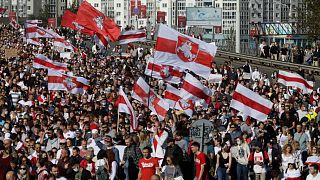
column 94, row 131
column 78, row 131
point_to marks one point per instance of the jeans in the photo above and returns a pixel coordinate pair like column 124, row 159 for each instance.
column 242, row 171
column 222, row 174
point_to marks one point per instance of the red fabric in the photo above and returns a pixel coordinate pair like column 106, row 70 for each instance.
column 84, row 164
column 93, row 126
column 297, row 178
column 155, row 142
column 68, row 20
column 148, row 167
column 200, row 159
column 87, row 16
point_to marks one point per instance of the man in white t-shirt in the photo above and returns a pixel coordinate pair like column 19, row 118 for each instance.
column 313, row 172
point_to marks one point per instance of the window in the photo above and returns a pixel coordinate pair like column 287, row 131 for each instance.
column 164, row 5
column 119, row 22
column 259, row 15
column 62, row 1
column 96, row 5
column 277, row 15
column 118, row 14
column 259, row 6
column 29, row 8
column 118, row 4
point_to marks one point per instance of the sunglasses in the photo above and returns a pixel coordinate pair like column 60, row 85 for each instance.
column 23, row 168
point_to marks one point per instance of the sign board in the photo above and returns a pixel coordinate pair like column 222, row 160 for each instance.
column 215, row 78
column 9, row 53
column 52, row 22
column 246, row 75
column 200, row 131
column 205, row 16
column 65, row 55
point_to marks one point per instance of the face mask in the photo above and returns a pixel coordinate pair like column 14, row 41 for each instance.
column 22, row 171
column 75, row 169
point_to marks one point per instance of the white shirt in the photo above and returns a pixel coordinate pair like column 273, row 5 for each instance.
column 311, row 177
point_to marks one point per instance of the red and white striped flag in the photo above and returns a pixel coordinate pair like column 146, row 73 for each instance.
column 251, row 103
column 167, row 73
column 61, row 42
column 179, row 50
column 41, row 61
column 172, row 96
column 34, row 31
column 34, row 41
column 72, row 84
column 125, row 106
column 132, row 36
column 193, row 89
column 142, row 92
column 14, row 24
column 101, row 40
column 295, row 80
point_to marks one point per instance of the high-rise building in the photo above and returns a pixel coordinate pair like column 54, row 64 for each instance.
column 56, row 8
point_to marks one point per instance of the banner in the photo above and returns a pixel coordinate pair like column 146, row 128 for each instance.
column 182, row 21
column 9, row 53
column 143, row 13
column 12, row 15
column 161, row 17
column 52, row 22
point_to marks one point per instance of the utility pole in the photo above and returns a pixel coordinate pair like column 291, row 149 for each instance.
column 238, row 27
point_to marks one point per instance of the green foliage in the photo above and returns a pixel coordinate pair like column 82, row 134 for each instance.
column 308, row 18
column 74, row 7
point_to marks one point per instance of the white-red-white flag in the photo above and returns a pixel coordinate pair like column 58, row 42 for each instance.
column 251, row 103
column 143, row 93
column 172, row 96
column 14, row 24
column 100, row 40
column 193, row 89
column 41, row 61
column 34, row 41
column 132, row 36
column 125, row 106
column 167, row 73
column 61, row 42
column 63, row 82
column 295, row 80
column 34, row 31
column 179, row 50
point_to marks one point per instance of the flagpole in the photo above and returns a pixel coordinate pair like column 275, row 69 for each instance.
column 118, row 121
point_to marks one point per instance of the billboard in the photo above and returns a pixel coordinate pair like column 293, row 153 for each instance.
column 161, row 17
column 181, row 21
column 52, row 22
column 204, row 16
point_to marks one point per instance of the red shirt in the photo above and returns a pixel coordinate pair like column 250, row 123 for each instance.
column 148, row 167
column 200, row 159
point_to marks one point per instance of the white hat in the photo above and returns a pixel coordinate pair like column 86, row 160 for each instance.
column 94, row 131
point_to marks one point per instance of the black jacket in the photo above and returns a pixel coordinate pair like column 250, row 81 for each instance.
column 174, row 151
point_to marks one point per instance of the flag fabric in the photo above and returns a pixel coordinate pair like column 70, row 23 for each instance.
column 215, row 78
column 41, row 61
column 193, row 89
column 125, row 106
column 91, row 18
column 132, row 36
column 2, row 10
column 179, row 50
column 143, row 93
column 34, row 41
column 295, row 80
column 172, row 96
column 100, row 40
column 14, row 24
column 33, row 31
column 69, row 20
column 167, row 73
column 250, row 103
column 59, row 81
column 61, row 42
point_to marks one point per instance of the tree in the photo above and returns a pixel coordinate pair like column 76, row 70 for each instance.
column 308, row 18
column 74, row 7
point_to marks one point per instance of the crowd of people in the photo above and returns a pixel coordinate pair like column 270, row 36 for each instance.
column 58, row 135
column 290, row 53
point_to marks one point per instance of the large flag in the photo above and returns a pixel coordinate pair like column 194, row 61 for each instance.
column 179, row 50
column 250, row 103
column 69, row 20
column 100, row 40
column 132, row 36
column 193, row 89
column 41, row 61
column 125, row 106
column 64, row 82
column 61, row 42
column 34, row 41
column 33, row 31
column 172, row 96
column 14, row 24
column 143, row 93
column 91, row 18
column 295, row 80
column 165, row 72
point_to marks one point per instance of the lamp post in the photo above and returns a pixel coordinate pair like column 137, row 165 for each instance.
column 238, row 27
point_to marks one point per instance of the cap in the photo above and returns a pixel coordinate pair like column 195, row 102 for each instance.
column 170, row 140
column 93, row 126
column 94, row 131
column 78, row 131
